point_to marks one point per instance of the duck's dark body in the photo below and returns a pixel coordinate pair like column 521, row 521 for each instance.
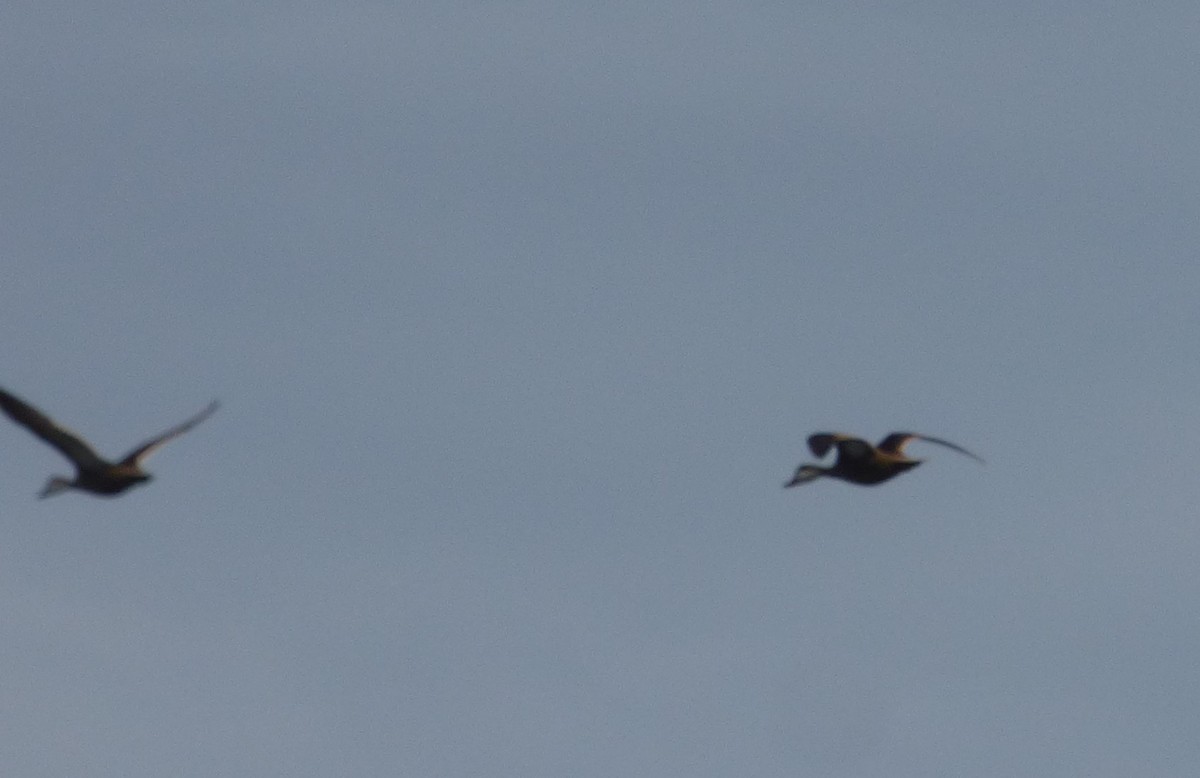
column 111, row 482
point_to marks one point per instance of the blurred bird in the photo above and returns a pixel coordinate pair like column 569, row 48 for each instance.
column 92, row 473
column 861, row 463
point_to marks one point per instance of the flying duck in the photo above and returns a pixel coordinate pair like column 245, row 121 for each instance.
column 861, row 463
column 92, row 473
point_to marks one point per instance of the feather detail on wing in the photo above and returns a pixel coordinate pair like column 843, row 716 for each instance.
column 148, row 448
column 68, row 443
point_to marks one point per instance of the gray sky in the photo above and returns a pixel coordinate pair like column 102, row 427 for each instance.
column 520, row 314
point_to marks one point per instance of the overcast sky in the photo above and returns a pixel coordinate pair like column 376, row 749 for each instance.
column 520, row 314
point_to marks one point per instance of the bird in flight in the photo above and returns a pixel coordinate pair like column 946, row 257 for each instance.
column 861, row 463
column 92, row 472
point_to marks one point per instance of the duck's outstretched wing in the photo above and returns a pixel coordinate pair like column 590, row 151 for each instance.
column 819, row 443
column 895, row 443
column 68, row 443
column 148, row 448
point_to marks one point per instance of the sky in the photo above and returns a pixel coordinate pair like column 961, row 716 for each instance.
column 520, row 314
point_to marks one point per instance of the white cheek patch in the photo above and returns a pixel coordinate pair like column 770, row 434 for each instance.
column 804, row 474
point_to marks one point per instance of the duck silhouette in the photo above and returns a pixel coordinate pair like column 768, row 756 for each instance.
column 858, row 462
column 93, row 473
